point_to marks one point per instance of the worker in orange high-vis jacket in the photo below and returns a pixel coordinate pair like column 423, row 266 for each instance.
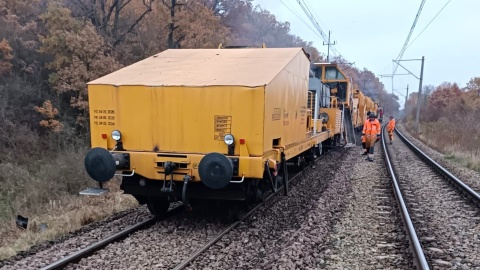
column 371, row 130
column 391, row 128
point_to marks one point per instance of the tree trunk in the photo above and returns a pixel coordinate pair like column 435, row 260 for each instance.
column 172, row 25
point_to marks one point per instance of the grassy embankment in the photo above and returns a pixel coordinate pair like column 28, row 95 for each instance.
column 458, row 139
column 46, row 191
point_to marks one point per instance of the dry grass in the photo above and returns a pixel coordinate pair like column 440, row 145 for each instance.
column 45, row 189
column 458, row 138
column 62, row 216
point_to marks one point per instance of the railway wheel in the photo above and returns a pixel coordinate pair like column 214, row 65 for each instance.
column 300, row 163
column 158, row 206
column 236, row 211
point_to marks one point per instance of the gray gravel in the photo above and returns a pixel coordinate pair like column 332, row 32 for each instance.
column 161, row 246
column 290, row 232
column 370, row 233
column 47, row 252
column 469, row 177
column 447, row 224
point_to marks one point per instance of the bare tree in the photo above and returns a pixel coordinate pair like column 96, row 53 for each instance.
column 106, row 16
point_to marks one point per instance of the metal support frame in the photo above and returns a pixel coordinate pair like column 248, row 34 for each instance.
column 419, row 98
column 328, row 47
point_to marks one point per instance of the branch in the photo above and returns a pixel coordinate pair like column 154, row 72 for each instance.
column 177, row 43
column 7, row 138
column 169, row 7
column 163, row 2
column 102, row 8
column 120, row 39
column 87, row 11
column 126, row 3
column 149, row 4
column 114, row 4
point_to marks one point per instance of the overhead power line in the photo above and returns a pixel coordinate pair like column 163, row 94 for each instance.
column 312, row 19
column 429, row 23
column 301, row 19
column 400, row 55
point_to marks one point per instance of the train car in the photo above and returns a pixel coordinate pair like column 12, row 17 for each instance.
column 216, row 124
column 335, row 101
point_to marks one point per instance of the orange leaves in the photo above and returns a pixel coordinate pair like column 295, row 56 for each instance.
column 79, row 56
column 471, row 98
column 49, row 112
column 198, row 27
column 444, row 95
column 5, row 57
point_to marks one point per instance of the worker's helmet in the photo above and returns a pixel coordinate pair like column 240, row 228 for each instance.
column 372, row 115
column 391, row 116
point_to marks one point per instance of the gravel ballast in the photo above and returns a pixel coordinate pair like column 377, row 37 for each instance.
column 469, row 177
column 370, row 233
column 291, row 231
column 447, row 223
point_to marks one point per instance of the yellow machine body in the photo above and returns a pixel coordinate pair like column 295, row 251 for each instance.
column 359, row 108
column 178, row 106
column 336, row 87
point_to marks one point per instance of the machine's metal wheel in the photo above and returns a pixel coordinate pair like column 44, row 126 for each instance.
column 300, row 163
column 237, row 211
column 158, row 206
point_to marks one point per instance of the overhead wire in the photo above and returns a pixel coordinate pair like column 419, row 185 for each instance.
column 318, row 19
column 335, row 47
column 312, row 19
column 402, row 51
column 423, row 30
column 301, row 19
column 438, row 13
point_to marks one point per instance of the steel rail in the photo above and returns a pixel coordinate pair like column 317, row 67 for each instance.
column 89, row 250
column 440, row 169
column 199, row 251
column 416, row 247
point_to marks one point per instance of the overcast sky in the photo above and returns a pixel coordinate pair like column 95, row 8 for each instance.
column 372, row 32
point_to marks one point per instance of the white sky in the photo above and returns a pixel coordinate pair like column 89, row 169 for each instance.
column 372, row 32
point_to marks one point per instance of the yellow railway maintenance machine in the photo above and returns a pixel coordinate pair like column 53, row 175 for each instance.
column 359, row 112
column 335, row 102
column 191, row 124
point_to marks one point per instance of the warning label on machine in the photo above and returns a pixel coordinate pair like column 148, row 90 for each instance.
column 222, row 126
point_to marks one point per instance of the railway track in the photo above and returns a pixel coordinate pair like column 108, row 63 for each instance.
column 217, row 238
column 91, row 249
column 370, row 232
column 441, row 217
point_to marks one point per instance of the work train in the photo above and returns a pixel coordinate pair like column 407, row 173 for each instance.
column 217, row 124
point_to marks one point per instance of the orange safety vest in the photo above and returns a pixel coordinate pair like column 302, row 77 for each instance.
column 371, row 127
column 391, row 125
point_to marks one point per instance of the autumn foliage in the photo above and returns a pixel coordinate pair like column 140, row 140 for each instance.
column 49, row 112
column 449, row 120
column 5, row 57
